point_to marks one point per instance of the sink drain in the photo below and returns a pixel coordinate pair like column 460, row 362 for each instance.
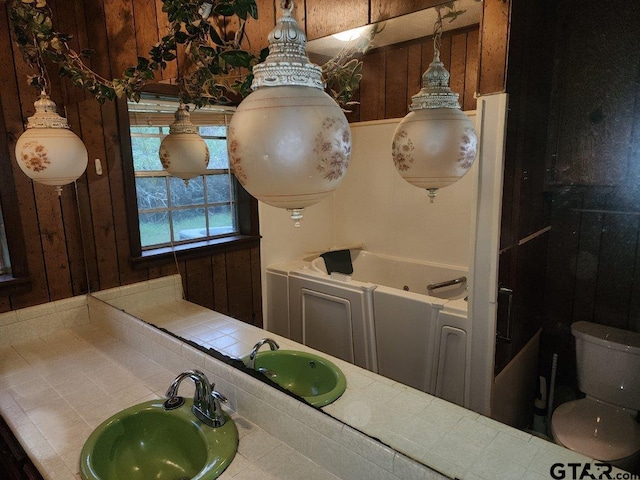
column 171, row 404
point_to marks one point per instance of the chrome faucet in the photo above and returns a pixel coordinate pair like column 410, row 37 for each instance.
column 206, row 401
column 254, row 351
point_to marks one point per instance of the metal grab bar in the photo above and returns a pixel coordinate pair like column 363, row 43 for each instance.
column 446, row 283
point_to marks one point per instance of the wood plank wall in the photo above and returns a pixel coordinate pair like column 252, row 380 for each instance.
column 79, row 242
column 392, row 75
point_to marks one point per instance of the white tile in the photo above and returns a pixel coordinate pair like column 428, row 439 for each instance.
column 35, row 312
column 282, row 463
column 8, row 317
column 257, row 444
column 512, row 448
column 408, row 469
column 457, row 451
column 494, row 467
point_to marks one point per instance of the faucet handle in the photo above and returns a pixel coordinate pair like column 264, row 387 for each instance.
column 215, row 410
column 219, row 397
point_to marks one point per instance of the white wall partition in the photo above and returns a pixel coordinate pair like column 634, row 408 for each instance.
column 375, row 207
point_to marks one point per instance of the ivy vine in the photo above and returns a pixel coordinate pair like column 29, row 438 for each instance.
column 220, row 69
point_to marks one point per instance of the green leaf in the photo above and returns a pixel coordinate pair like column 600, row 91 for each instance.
column 215, row 38
column 143, row 63
column 181, row 37
column 237, row 58
column 224, row 10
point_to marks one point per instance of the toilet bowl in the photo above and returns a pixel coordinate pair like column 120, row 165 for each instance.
column 602, row 426
column 598, row 430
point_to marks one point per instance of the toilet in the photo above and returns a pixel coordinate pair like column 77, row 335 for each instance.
column 603, row 425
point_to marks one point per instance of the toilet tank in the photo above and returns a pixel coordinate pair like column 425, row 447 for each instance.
column 608, row 363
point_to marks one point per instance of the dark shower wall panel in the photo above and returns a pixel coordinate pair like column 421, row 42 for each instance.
column 589, row 238
column 595, row 92
column 616, row 269
column 592, row 273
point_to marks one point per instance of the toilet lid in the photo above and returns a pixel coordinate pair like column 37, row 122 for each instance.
column 601, row 431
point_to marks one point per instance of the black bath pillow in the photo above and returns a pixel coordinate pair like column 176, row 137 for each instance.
column 338, row 261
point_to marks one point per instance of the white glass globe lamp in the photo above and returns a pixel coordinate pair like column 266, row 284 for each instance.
column 48, row 151
column 435, row 144
column 183, row 153
column 289, row 142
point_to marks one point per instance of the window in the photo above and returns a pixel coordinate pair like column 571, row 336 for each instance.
column 14, row 272
column 174, row 215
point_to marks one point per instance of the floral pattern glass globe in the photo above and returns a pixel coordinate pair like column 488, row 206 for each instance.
column 302, row 151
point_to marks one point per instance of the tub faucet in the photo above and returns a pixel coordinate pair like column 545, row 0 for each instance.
column 254, row 351
column 206, row 401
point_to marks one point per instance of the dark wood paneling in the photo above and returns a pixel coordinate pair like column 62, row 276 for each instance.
column 325, row 17
column 414, row 71
column 392, row 75
column 468, row 97
column 372, row 87
column 385, row 9
column 199, row 279
column 494, row 37
column 220, row 289
column 396, row 68
column 240, row 285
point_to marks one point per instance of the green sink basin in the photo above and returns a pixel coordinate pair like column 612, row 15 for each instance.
column 309, row 376
column 146, row 442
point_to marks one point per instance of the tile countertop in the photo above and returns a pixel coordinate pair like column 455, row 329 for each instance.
column 455, row 441
column 62, row 373
column 56, row 389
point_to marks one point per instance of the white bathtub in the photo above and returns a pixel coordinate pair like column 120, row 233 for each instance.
column 380, row 317
column 402, row 274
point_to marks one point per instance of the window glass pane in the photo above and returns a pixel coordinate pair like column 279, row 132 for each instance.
column 145, row 153
column 221, row 219
column 170, row 210
column 189, row 224
column 151, row 192
column 218, row 188
column 218, row 153
column 186, row 194
column 149, row 130
column 214, row 131
column 154, row 228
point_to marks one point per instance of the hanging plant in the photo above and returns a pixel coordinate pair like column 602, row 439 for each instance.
column 220, row 70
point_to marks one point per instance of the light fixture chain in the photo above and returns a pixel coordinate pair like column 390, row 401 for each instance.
column 286, row 5
column 437, row 33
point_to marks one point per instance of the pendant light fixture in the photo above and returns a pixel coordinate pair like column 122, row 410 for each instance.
column 183, row 153
column 48, row 151
column 435, row 144
column 289, row 142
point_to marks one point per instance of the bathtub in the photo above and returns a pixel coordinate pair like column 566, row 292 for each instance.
column 381, row 317
column 402, row 274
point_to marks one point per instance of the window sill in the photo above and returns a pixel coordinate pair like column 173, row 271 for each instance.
column 164, row 255
column 10, row 285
